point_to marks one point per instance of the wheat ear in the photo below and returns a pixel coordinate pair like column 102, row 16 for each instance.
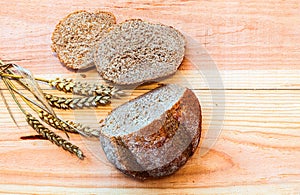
column 68, row 126
column 84, row 88
column 51, row 136
column 85, row 129
column 80, row 102
column 78, row 88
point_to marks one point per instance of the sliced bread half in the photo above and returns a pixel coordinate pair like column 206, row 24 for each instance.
column 136, row 51
column 155, row 134
column 75, row 36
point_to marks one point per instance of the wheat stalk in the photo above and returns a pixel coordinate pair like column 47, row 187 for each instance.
column 41, row 129
column 55, row 122
column 85, row 129
column 84, row 88
column 78, row 88
column 68, row 126
column 73, row 103
column 54, row 138
column 101, row 95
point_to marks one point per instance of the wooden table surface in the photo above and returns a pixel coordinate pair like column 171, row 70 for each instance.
column 243, row 62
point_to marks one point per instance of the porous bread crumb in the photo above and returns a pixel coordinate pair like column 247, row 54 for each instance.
column 138, row 113
column 136, row 51
column 75, row 36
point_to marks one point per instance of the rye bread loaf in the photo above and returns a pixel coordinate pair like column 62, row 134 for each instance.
column 136, row 51
column 75, row 36
column 154, row 134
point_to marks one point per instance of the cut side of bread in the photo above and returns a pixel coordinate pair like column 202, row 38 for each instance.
column 154, row 134
column 75, row 36
column 135, row 52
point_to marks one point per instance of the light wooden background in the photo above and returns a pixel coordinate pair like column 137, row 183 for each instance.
column 253, row 47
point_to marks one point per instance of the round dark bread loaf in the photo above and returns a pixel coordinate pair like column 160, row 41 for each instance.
column 75, row 36
column 154, row 134
column 135, row 52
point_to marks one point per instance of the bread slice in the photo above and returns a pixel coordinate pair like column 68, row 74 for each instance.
column 136, row 51
column 75, row 36
column 155, row 134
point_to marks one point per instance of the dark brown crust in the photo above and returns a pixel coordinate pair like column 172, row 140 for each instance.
column 126, row 160
column 164, row 170
column 188, row 99
column 194, row 106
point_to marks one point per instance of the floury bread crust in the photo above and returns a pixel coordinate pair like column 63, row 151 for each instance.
column 155, row 134
column 135, row 52
column 75, row 36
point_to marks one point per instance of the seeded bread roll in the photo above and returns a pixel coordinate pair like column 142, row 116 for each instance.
column 136, row 51
column 155, row 134
column 75, row 36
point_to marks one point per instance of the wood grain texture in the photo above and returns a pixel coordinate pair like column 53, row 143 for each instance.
column 243, row 62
